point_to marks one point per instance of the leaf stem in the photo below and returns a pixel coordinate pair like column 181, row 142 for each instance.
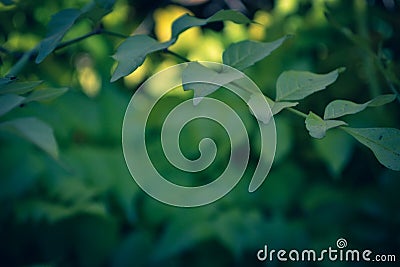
column 184, row 59
column 97, row 31
column 75, row 40
column 297, row 112
column 115, row 34
column 24, row 57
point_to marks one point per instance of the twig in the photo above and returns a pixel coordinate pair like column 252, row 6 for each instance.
column 24, row 57
column 115, row 34
column 78, row 39
column 297, row 112
column 176, row 55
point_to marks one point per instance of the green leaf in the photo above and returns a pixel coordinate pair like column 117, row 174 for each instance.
column 59, row 24
column 18, row 87
column 45, row 94
column 317, row 127
column 35, row 131
column 296, row 85
column 384, row 143
column 335, row 149
column 187, row 21
column 339, row 108
column 97, row 9
column 381, row 100
column 277, row 106
column 8, row 102
column 213, row 79
column 246, row 53
column 231, row 15
column 132, row 53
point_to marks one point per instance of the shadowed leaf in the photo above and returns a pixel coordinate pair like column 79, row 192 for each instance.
column 58, row 27
column 384, row 143
column 18, row 87
column 8, row 102
column 35, row 131
column 45, row 94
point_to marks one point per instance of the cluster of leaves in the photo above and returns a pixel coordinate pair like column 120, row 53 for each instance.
column 59, row 25
column 291, row 85
column 15, row 94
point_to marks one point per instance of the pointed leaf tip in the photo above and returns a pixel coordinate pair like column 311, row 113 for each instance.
column 59, row 24
column 339, row 108
column 384, row 143
column 132, row 52
column 296, row 85
column 246, row 53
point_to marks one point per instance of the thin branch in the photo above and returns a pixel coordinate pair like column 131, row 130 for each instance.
column 297, row 112
column 176, row 55
column 97, row 31
column 75, row 40
column 24, row 57
column 115, row 34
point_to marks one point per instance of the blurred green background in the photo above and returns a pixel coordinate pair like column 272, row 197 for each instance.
column 86, row 210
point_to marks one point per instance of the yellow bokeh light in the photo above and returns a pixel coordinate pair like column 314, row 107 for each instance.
column 164, row 65
column 235, row 32
column 90, row 81
column 286, row 6
column 17, row 41
column 210, row 49
column 138, row 75
column 119, row 15
column 88, row 78
column 164, row 17
column 257, row 30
